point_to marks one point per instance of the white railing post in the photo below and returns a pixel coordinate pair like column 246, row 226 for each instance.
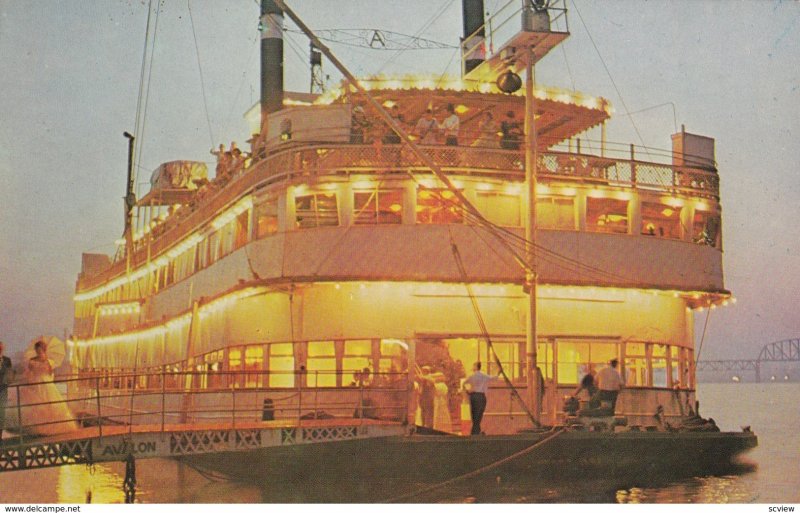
column 361, row 403
column 233, row 408
column 316, row 392
column 97, row 401
column 300, row 403
column 19, row 416
column 163, row 398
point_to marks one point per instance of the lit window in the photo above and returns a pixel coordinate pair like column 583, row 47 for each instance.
column 438, row 206
column 242, row 234
column 321, row 364
column 661, row 220
column 265, row 218
column 318, row 209
column 674, row 371
column 357, row 356
column 501, row 209
column 572, row 360
column 235, row 365
column 281, row 365
column 544, row 359
column 635, row 364
column 378, row 207
column 394, row 359
column 658, row 362
column 706, row 228
column 214, row 247
column 253, row 363
column 555, row 212
column 606, row 215
column 577, row 357
column 464, row 352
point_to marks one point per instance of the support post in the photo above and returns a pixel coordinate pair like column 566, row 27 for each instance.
column 129, row 484
column 531, row 156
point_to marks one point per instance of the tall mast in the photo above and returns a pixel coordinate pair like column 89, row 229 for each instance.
column 531, row 157
column 523, row 50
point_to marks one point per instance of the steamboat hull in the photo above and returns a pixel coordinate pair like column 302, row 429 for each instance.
column 431, row 459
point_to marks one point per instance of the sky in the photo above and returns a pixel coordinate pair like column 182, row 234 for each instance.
column 70, row 81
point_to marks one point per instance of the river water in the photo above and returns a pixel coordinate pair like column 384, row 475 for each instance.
column 770, row 473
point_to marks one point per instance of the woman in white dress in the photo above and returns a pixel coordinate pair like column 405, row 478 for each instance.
column 441, row 412
column 42, row 403
column 487, row 132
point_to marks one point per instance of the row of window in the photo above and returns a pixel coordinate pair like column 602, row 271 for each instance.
column 433, row 206
column 553, row 212
column 341, row 363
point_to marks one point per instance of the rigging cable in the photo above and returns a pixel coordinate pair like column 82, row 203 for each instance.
column 232, row 111
column 200, row 69
column 553, row 434
column 430, row 22
column 608, row 71
column 144, row 68
column 484, row 330
column 702, row 338
column 140, row 139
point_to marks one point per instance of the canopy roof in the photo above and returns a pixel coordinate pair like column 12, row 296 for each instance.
column 560, row 114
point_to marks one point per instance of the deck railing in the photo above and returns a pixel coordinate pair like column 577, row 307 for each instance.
column 309, row 162
column 166, row 398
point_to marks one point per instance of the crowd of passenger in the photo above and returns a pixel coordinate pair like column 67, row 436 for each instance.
column 441, row 126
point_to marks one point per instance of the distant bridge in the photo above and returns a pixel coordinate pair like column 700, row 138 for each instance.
column 781, row 351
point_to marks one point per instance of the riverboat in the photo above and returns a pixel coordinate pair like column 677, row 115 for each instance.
column 349, row 259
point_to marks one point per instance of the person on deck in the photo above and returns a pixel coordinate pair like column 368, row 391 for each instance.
column 427, row 395
column 487, row 132
column 390, row 137
column 5, row 377
column 450, row 126
column 609, row 383
column 511, row 132
column 44, row 409
column 587, row 383
column 476, row 386
column 426, row 128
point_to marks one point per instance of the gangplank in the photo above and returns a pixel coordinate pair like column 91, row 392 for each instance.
column 114, row 443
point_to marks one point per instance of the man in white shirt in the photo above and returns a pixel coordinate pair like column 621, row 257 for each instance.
column 450, row 127
column 609, row 383
column 476, row 386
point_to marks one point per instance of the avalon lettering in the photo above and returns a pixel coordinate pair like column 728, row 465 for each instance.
column 124, row 448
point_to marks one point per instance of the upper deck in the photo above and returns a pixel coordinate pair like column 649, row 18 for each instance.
column 608, row 191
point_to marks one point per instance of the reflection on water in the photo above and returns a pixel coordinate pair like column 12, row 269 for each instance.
column 713, row 489
column 771, row 477
column 81, row 484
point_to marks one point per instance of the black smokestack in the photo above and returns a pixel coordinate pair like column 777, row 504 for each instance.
column 271, row 58
column 474, row 48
